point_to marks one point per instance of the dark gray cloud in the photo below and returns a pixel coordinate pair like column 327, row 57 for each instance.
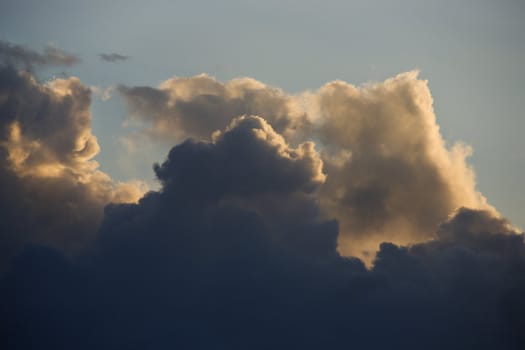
column 248, row 171
column 248, row 146
column 26, row 58
column 206, row 263
column 112, row 57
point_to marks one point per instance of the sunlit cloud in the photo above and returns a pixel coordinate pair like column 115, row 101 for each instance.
column 48, row 153
column 390, row 174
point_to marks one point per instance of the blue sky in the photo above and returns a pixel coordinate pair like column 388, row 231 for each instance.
column 472, row 53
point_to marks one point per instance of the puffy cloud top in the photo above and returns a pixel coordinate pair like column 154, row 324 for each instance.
column 52, row 191
column 390, row 173
column 248, row 158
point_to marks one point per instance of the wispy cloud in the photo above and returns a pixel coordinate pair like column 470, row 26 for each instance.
column 18, row 55
column 112, row 57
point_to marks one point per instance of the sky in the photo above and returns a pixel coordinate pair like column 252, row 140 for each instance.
column 203, row 173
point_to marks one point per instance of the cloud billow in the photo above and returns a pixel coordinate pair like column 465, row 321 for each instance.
column 249, row 146
column 390, row 174
column 197, row 106
column 52, row 191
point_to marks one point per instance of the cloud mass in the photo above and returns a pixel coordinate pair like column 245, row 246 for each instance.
column 331, row 218
column 390, row 174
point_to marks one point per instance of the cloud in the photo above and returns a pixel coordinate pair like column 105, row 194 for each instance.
column 248, row 146
column 197, row 106
column 52, row 191
column 112, row 57
column 247, row 171
column 25, row 58
column 390, row 173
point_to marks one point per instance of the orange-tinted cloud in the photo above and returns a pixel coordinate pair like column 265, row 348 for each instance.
column 390, row 174
column 50, row 182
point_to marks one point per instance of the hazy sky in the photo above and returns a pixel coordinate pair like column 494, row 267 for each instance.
column 472, row 53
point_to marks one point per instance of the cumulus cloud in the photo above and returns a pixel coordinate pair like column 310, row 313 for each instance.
column 248, row 170
column 23, row 57
column 390, row 174
column 248, row 146
column 112, row 57
column 52, row 189
column 199, row 105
